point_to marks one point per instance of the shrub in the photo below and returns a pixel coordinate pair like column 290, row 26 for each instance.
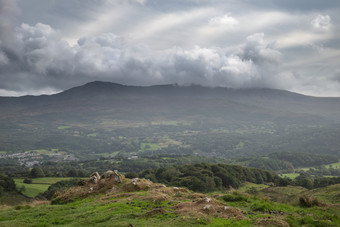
column 131, row 175
column 235, row 197
column 262, row 206
column 306, row 201
column 27, row 181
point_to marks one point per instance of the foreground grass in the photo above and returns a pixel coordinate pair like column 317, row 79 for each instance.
column 93, row 212
column 290, row 175
column 163, row 206
column 12, row 198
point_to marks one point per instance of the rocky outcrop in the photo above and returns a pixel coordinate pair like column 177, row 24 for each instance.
column 94, row 178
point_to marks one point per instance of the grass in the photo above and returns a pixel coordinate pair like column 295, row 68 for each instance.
column 149, row 147
column 333, row 165
column 93, row 134
column 290, row 175
column 12, row 199
column 95, row 212
column 330, row 194
column 32, row 190
column 64, row 127
column 251, row 186
column 139, row 209
column 38, row 185
column 261, row 207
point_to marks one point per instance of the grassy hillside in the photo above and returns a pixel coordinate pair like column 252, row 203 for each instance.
column 143, row 203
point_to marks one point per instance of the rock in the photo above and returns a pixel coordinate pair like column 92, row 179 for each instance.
column 118, row 176
column 94, row 178
column 207, row 207
column 207, row 199
column 108, row 174
column 134, row 181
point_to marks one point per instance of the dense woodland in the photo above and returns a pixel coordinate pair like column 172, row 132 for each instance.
column 209, row 177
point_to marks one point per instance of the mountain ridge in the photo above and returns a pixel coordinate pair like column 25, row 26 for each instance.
column 107, row 95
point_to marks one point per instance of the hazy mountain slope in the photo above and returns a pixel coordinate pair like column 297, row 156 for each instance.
column 101, row 117
column 172, row 101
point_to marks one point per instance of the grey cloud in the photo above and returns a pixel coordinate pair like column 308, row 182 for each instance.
column 8, row 11
column 44, row 58
column 288, row 5
column 37, row 58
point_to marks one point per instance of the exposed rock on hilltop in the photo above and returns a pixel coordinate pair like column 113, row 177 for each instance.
column 174, row 200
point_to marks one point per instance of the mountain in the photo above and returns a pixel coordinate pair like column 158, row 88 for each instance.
column 109, row 119
column 173, row 101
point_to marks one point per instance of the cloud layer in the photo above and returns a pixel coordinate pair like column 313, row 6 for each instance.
column 43, row 56
column 145, row 43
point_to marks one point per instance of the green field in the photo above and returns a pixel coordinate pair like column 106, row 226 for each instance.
column 64, row 127
column 39, row 185
column 333, row 165
column 290, row 175
column 249, row 186
column 149, row 146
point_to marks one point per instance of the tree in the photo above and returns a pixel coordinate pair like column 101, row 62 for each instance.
column 36, row 172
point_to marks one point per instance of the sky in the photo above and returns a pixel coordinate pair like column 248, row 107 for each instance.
column 47, row 46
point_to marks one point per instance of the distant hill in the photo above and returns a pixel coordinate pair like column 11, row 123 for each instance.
column 103, row 98
column 112, row 119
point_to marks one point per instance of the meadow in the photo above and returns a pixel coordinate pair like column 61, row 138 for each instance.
column 38, row 185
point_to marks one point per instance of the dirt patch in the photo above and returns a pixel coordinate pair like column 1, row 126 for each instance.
column 208, row 207
column 153, row 212
column 156, row 197
column 137, row 184
column 271, row 222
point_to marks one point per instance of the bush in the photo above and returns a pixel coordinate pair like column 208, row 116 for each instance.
column 131, row 175
column 306, row 201
column 59, row 186
column 27, row 181
column 262, row 206
column 235, row 197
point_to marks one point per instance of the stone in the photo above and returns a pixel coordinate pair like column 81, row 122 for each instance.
column 118, row 176
column 94, row 178
column 207, row 199
column 134, row 181
column 207, row 207
column 108, row 174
